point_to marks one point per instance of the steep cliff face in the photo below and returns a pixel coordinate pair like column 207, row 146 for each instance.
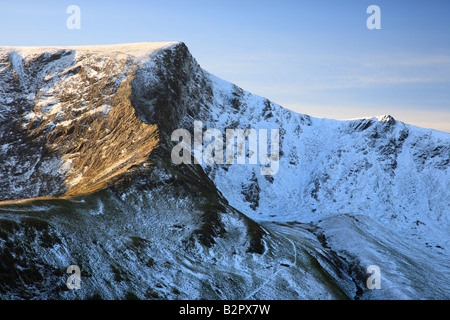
column 86, row 140
column 69, row 127
column 392, row 172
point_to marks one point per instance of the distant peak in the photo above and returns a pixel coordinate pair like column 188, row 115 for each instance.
column 386, row 118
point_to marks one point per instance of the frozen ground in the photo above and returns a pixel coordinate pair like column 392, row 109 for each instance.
column 348, row 194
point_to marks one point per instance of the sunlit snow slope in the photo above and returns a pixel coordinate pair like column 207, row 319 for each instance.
column 85, row 139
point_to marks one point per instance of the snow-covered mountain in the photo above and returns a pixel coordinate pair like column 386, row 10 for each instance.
column 86, row 178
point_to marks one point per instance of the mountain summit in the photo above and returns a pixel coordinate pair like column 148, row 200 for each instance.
column 86, row 179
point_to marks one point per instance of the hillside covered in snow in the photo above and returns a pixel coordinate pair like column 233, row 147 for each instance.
column 87, row 179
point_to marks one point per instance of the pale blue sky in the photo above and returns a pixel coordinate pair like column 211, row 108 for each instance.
column 315, row 57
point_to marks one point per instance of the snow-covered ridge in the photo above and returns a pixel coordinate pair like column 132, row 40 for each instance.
column 374, row 181
column 136, row 50
column 378, row 166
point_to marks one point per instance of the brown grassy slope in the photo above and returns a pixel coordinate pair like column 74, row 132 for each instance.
column 103, row 147
column 97, row 145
